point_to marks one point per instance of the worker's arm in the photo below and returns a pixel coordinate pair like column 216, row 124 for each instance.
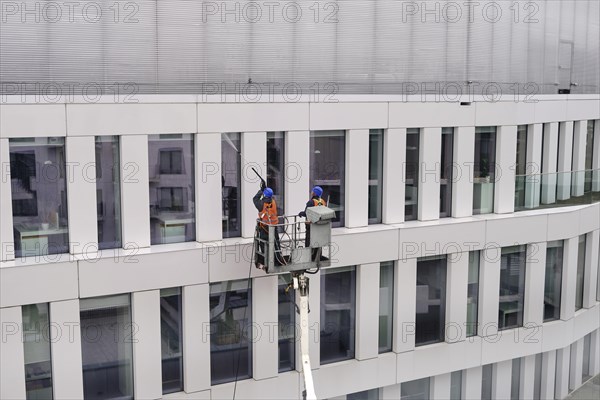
column 257, row 200
column 308, row 204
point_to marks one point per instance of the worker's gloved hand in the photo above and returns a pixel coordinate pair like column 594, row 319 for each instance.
column 263, row 185
column 302, row 214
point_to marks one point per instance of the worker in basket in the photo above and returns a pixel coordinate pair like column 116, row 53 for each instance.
column 267, row 214
column 315, row 201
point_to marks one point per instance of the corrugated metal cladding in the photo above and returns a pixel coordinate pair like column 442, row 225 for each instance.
column 359, row 46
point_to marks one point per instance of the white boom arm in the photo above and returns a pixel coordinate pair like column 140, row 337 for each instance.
column 301, row 285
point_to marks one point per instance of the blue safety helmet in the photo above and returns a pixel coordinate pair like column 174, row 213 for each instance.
column 317, row 190
column 268, row 192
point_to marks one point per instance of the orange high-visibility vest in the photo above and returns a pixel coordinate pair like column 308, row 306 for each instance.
column 268, row 215
column 319, row 202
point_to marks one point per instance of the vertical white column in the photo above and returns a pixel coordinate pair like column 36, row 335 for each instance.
column 440, row 387
column 196, row 338
column 533, row 313
column 501, row 379
column 67, row 376
column 391, row 392
column 462, row 187
column 357, row 178
column 265, row 349
column 297, row 177
column 456, row 297
column 576, row 364
column 405, row 294
column 550, row 152
column 569, row 278
column 527, row 377
column 596, row 158
column 314, row 320
column 548, row 375
column 595, row 352
column 7, row 246
column 367, row 311
column 489, row 286
column 207, row 153
column 254, row 155
column 147, row 358
column 81, row 194
column 12, row 356
column 471, row 384
column 534, row 161
column 565, row 153
column 394, row 157
column 561, row 387
column 506, row 150
column 430, row 153
column 135, row 195
column 590, row 279
column 579, row 142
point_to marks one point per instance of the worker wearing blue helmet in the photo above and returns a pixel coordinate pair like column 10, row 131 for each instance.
column 315, row 201
column 267, row 215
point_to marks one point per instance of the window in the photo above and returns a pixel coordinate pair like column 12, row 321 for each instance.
column 486, row 382
column 580, row 273
column 587, row 369
column 473, row 293
column 36, row 349
column 172, row 188
column 108, row 192
column 521, row 167
column 372, row 394
column 230, row 329
column 589, row 156
column 231, row 182
column 39, row 196
column 446, row 177
column 515, row 381
column 386, row 305
column 327, row 169
column 415, row 390
column 431, row 300
column 106, row 347
column 276, row 168
column 411, row 195
column 512, row 287
column 456, row 385
column 553, row 280
column 338, row 313
column 375, row 175
column 537, row 382
column 484, row 170
column 287, row 324
column 171, row 331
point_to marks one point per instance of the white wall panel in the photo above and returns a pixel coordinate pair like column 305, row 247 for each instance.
column 569, row 277
column 297, row 160
column 147, row 343
column 501, row 380
column 12, row 357
column 440, row 387
column 533, row 313
column 405, row 298
column 548, row 375
column 367, row 311
column 196, row 339
column 533, row 165
column 208, row 182
column 561, row 385
column 456, row 296
column 394, row 157
column 506, row 150
column 462, row 187
column 254, row 155
column 430, row 114
column 265, row 349
column 489, row 286
column 32, row 120
column 576, row 364
column 472, row 378
column 324, row 116
column 430, row 153
column 527, row 378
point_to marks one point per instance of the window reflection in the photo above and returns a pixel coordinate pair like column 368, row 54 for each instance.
column 553, row 280
column 108, row 192
column 512, row 287
column 171, row 330
column 484, row 170
column 276, row 168
column 231, row 183
column 431, row 300
column 411, row 195
column 36, row 348
column 375, row 175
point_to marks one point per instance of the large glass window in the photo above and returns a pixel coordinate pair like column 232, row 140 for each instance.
column 580, row 273
column 415, row 390
column 231, row 182
column 372, row 394
column 386, row 305
column 230, row 331
column 411, row 177
column 484, row 170
column 287, row 324
column 473, row 293
column 338, row 313
column 515, row 381
column 375, row 175
column 39, row 196
column 589, row 156
column 36, row 348
column 456, row 385
column 171, row 334
column 537, row 381
column 586, row 370
column 521, row 167
column 446, row 171
column 276, row 168
column 106, row 347
column 328, row 170
column 172, row 188
column 486, row 382
column 553, row 280
column 431, row 300
column 512, row 287
column 108, row 192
